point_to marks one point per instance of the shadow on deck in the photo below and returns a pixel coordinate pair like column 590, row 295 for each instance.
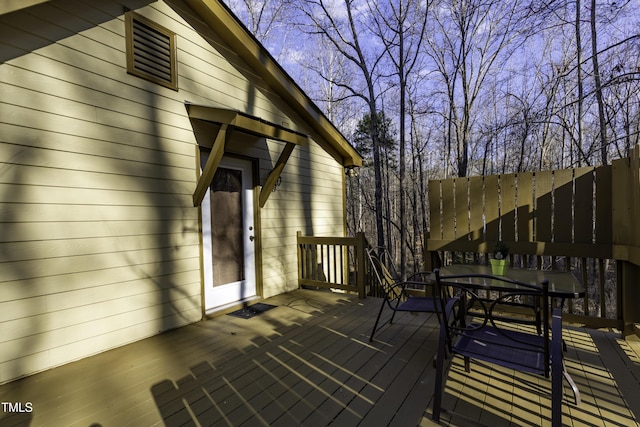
column 309, row 362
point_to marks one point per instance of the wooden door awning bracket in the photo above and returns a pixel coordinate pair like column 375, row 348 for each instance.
column 230, row 120
column 267, row 189
column 211, row 166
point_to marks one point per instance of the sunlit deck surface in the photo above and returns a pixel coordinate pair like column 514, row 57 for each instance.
column 309, row 362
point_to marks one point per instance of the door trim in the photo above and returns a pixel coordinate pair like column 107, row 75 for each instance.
column 255, row 169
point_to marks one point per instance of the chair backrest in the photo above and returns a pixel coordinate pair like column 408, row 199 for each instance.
column 384, row 271
column 474, row 303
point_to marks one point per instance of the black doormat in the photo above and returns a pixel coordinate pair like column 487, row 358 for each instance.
column 252, row 310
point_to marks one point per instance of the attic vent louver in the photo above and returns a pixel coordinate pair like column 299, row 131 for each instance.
column 151, row 51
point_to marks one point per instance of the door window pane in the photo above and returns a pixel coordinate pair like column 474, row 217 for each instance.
column 227, row 226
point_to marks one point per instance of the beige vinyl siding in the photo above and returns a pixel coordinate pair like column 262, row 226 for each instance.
column 99, row 241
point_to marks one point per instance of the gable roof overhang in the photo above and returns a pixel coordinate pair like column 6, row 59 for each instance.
column 230, row 120
column 7, row 6
column 224, row 23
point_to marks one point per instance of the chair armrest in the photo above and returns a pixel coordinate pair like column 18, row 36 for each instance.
column 421, row 273
column 397, row 290
column 411, row 280
column 421, row 278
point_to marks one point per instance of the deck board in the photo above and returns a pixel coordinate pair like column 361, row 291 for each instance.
column 309, row 362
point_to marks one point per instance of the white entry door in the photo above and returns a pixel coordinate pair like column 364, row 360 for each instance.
column 228, row 235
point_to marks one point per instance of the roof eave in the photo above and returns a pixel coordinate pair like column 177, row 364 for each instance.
column 8, row 6
column 221, row 20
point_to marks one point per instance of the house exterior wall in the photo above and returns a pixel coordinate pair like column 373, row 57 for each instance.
column 100, row 241
column 309, row 199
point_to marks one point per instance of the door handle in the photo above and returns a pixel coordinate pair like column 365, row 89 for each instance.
column 252, row 238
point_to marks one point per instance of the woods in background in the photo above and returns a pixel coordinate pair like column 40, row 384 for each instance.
column 431, row 89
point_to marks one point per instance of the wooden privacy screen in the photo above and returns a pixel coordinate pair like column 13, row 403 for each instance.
column 585, row 212
column 564, row 212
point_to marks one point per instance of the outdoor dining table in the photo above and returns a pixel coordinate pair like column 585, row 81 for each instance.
column 562, row 284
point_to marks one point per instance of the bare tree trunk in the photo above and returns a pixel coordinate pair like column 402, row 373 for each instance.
column 402, row 170
column 579, row 74
column 598, row 82
column 377, row 170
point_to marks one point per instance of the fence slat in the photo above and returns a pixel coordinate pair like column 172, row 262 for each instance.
column 491, row 207
column 604, row 218
column 508, row 207
column 583, row 205
column 435, row 197
column 462, row 208
column 543, row 208
column 525, row 207
column 563, row 206
column 448, row 224
column 476, row 217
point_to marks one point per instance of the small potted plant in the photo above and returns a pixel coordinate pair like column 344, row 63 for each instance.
column 499, row 260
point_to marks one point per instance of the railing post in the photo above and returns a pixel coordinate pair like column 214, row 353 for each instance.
column 361, row 271
column 431, row 259
column 630, row 295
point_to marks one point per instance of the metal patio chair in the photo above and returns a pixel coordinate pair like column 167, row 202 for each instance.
column 473, row 325
column 397, row 293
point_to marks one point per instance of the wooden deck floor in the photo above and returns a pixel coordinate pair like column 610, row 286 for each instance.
column 309, row 362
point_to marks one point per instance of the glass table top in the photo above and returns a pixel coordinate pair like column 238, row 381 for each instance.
column 562, row 284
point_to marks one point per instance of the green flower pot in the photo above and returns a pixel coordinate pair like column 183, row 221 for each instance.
column 498, row 266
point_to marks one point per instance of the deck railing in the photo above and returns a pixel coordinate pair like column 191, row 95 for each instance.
column 333, row 263
column 583, row 220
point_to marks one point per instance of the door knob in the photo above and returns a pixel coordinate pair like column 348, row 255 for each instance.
column 252, row 238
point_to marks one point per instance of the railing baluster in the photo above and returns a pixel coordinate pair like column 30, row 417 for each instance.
column 601, row 287
column 335, row 264
column 584, row 283
column 342, row 266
